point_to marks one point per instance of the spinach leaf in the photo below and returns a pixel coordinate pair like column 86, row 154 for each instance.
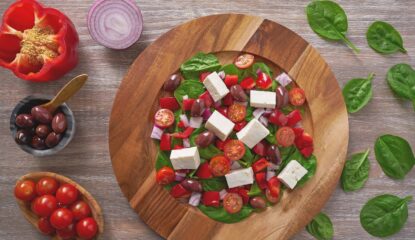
column 191, row 88
column 329, row 21
column 356, row 172
column 247, row 159
column 231, row 69
column 199, row 63
column 221, row 215
column 249, row 113
column 264, row 68
column 214, row 184
column 308, row 163
column 384, row 215
column 162, row 160
column 401, row 79
column 271, row 136
column 384, row 38
column 394, row 155
column 321, row 227
column 255, row 190
column 357, row 93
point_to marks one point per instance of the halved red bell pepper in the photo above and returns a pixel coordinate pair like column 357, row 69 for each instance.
column 165, row 142
column 227, row 100
column 231, row 80
column 187, row 104
column 211, row 198
column 203, row 75
column 179, row 191
column 37, row 43
column 204, row 171
column 293, row 118
column 183, row 135
column 260, row 165
column 169, row 103
column 207, row 99
column 248, row 83
column 261, row 180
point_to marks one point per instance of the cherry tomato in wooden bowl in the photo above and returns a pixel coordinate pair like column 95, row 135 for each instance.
column 297, row 96
column 219, row 166
column 234, row 149
column 232, row 203
column 165, row 175
column 164, row 118
column 285, row 136
column 244, row 61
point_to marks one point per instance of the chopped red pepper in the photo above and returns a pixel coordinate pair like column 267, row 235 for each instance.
column 203, row 75
column 260, row 165
column 261, row 180
column 223, row 110
column 263, row 81
column 293, row 118
column 244, row 194
column 261, row 148
column 278, row 118
column 248, row 83
column 221, row 144
column 169, row 103
column 187, row 104
column 227, row 100
column 165, row 142
column 185, row 134
column 207, row 99
column 178, row 147
column 231, row 80
column 37, row 43
column 303, row 141
column 181, row 124
column 238, row 126
column 307, row 151
column 179, row 191
column 204, row 171
column 211, row 198
column 298, row 132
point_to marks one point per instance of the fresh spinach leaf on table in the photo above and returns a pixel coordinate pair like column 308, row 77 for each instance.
column 357, row 93
column 191, row 88
column 214, row 184
column 355, row 172
column 401, row 79
column 329, row 21
column 201, row 62
column 221, row 215
column 384, row 215
column 384, row 38
column 321, row 227
column 394, row 155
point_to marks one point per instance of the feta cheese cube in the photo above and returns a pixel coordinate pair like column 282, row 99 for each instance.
column 292, row 173
column 216, row 87
column 186, row 158
column 263, row 99
column 240, row 177
column 219, row 125
column 252, row 133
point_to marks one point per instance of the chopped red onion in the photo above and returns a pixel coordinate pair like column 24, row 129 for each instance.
column 235, row 165
column 283, row 79
column 217, row 104
column 258, row 71
column 195, row 198
column 263, row 120
column 299, row 125
column 156, row 132
column 206, row 114
column 184, row 119
column 257, row 113
column 272, row 167
column 115, row 24
column 186, row 143
column 196, row 122
column 222, row 194
column 221, row 74
column 242, row 103
column 270, row 174
column 179, row 176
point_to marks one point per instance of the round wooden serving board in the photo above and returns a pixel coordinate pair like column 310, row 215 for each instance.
column 133, row 153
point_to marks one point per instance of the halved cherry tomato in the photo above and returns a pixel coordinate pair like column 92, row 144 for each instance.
column 211, row 198
column 240, row 125
column 244, row 61
column 263, row 81
column 80, row 210
column 260, row 165
column 203, row 172
column 219, row 166
column 248, row 83
column 244, row 194
column 234, row 150
column 293, row 118
column 261, row 180
column 44, row 206
column 87, row 228
column 274, row 186
column 187, row 104
column 169, row 103
column 165, row 175
column 165, row 142
column 261, row 148
column 67, row 194
column 207, row 99
column 203, row 75
column 61, row 218
column 45, row 227
column 46, row 185
column 270, row 197
column 236, row 113
column 278, row 118
column 231, row 80
column 67, row 233
column 232, row 203
column 297, row 96
column 285, row 136
column 25, row 190
column 227, row 100
column 178, row 191
column 164, row 118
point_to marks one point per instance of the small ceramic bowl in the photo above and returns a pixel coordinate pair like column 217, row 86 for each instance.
column 24, row 106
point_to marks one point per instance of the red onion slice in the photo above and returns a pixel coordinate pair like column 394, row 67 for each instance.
column 185, row 120
column 263, row 120
column 283, row 79
column 235, row 165
column 186, row 143
column 221, row 74
column 179, row 176
column 196, row 122
column 156, row 132
column 270, row 174
column 195, row 198
column 222, row 194
column 257, row 113
column 206, row 114
column 115, row 24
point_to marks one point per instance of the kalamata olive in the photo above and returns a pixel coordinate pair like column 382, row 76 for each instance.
column 192, row 185
column 38, row 143
column 238, row 93
column 52, row 139
column 197, row 108
column 172, row 83
column 23, row 136
column 41, row 114
column 43, row 130
column 25, row 121
column 282, row 97
column 273, row 154
column 205, row 139
column 258, row 202
column 59, row 123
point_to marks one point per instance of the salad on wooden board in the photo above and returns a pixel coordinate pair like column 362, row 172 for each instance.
column 230, row 136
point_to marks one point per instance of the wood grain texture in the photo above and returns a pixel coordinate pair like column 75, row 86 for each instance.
column 86, row 160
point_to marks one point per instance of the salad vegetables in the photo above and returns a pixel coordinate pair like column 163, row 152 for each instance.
column 230, row 136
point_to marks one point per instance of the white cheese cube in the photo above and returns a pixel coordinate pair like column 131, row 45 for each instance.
column 219, row 125
column 252, row 133
column 186, row 158
column 240, row 177
column 216, row 87
column 263, row 99
column 292, row 173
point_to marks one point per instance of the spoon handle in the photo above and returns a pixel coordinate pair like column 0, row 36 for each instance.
column 66, row 92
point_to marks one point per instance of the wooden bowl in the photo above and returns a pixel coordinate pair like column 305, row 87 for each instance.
column 85, row 196
column 133, row 154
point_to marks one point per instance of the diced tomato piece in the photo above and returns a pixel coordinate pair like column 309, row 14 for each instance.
column 227, row 100
column 278, row 118
column 261, row 180
column 306, row 152
column 211, row 198
column 169, row 103
column 293, row 118
column 178, row 147
column 179, row 191
column 307, row 140
column 204, row 172
column 180, row 124
column 248, row 83
column 238, row 126
column 223, row 110
column 231, row 80
column 187, row 104
column 203, row 75
column 260, row 165
column 165, row 142
column 298, row 132
column 274, row 186
column 185, row 134
column 261, row 148
column 263, row 81
column 244, row 194
column 207, row 98
column 221, row 144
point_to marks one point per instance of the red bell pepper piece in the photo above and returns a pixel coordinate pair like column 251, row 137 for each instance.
column 185, row 134
column 169, row 103
column 248, row 83
column 261, row 148
column 238, row 126
column 293, row 118
column 231, row 80
column 38, row 44
column 298, row 132
column 165, row 142
column 223, row 111
column 221, row 144
column 227, row 100
column 263, row 81
column 180, row 124
column 179, row 191
column 260, row 165
column 307, row 140
column 261, row 180
column 244, row 194
column 203, row 75
column 187, row 104
column 204, row 171
column 176, row 147
column 278, row 118
column 211, row 198
column 306, row 152
column 207, row 99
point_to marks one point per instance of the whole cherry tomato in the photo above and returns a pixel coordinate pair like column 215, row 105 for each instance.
column 244, row 61
column 232, row 203
column 61, row 218
column 44, row 206
column 234, row 149
column 219, row 166
column 45, row 227
column 46, row 185
column 25, row 190
column 67, row 194
column 165, row 175
column 67, row 233
column 87, row 228
column 80, row 210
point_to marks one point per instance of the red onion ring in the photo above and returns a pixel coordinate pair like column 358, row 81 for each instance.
column 115, row 24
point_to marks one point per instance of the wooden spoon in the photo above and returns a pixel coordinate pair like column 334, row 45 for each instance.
column 65, row 93
column 84, row 195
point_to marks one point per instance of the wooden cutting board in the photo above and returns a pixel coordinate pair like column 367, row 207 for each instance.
column 133, row 153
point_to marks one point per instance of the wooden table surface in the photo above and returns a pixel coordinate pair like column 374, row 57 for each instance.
column 86, row 160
